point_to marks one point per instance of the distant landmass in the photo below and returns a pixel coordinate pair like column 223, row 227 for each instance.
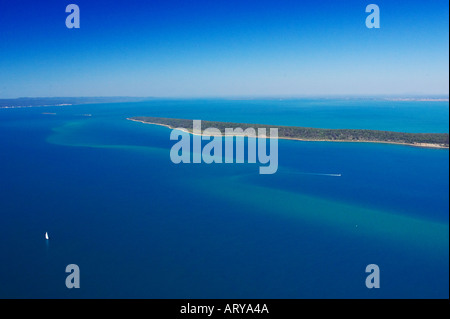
column 432, row 140
column 418, row 99
column 61, row 101
column 23, row 102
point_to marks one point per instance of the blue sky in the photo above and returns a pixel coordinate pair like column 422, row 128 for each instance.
column 217, row 48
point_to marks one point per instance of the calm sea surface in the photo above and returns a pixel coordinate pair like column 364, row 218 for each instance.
column 139, row 226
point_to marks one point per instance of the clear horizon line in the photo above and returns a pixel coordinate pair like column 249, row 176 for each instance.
column 417, row 95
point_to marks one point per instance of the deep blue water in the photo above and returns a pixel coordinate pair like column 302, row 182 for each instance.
column 140, row 226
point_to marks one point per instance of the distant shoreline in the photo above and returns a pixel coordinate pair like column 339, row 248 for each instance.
column 29, row 102
column 418, row 99
column 417, row 144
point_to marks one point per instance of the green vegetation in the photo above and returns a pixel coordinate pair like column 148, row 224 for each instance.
column 317, row 134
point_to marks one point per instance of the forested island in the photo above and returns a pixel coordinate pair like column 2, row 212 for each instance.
column 434, row 140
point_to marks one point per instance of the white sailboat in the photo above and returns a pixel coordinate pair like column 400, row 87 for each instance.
column 46, row 235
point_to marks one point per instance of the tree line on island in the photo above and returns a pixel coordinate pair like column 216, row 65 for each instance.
column 314, row 134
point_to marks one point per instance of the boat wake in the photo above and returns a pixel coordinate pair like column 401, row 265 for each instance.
column 291, row 172
column 322, row 174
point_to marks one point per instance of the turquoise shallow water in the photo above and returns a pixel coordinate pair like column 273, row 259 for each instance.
column 140, row 226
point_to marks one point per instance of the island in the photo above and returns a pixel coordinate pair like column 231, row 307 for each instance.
column 429, row 140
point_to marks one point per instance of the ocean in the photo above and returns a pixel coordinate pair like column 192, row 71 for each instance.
column 140, row 226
